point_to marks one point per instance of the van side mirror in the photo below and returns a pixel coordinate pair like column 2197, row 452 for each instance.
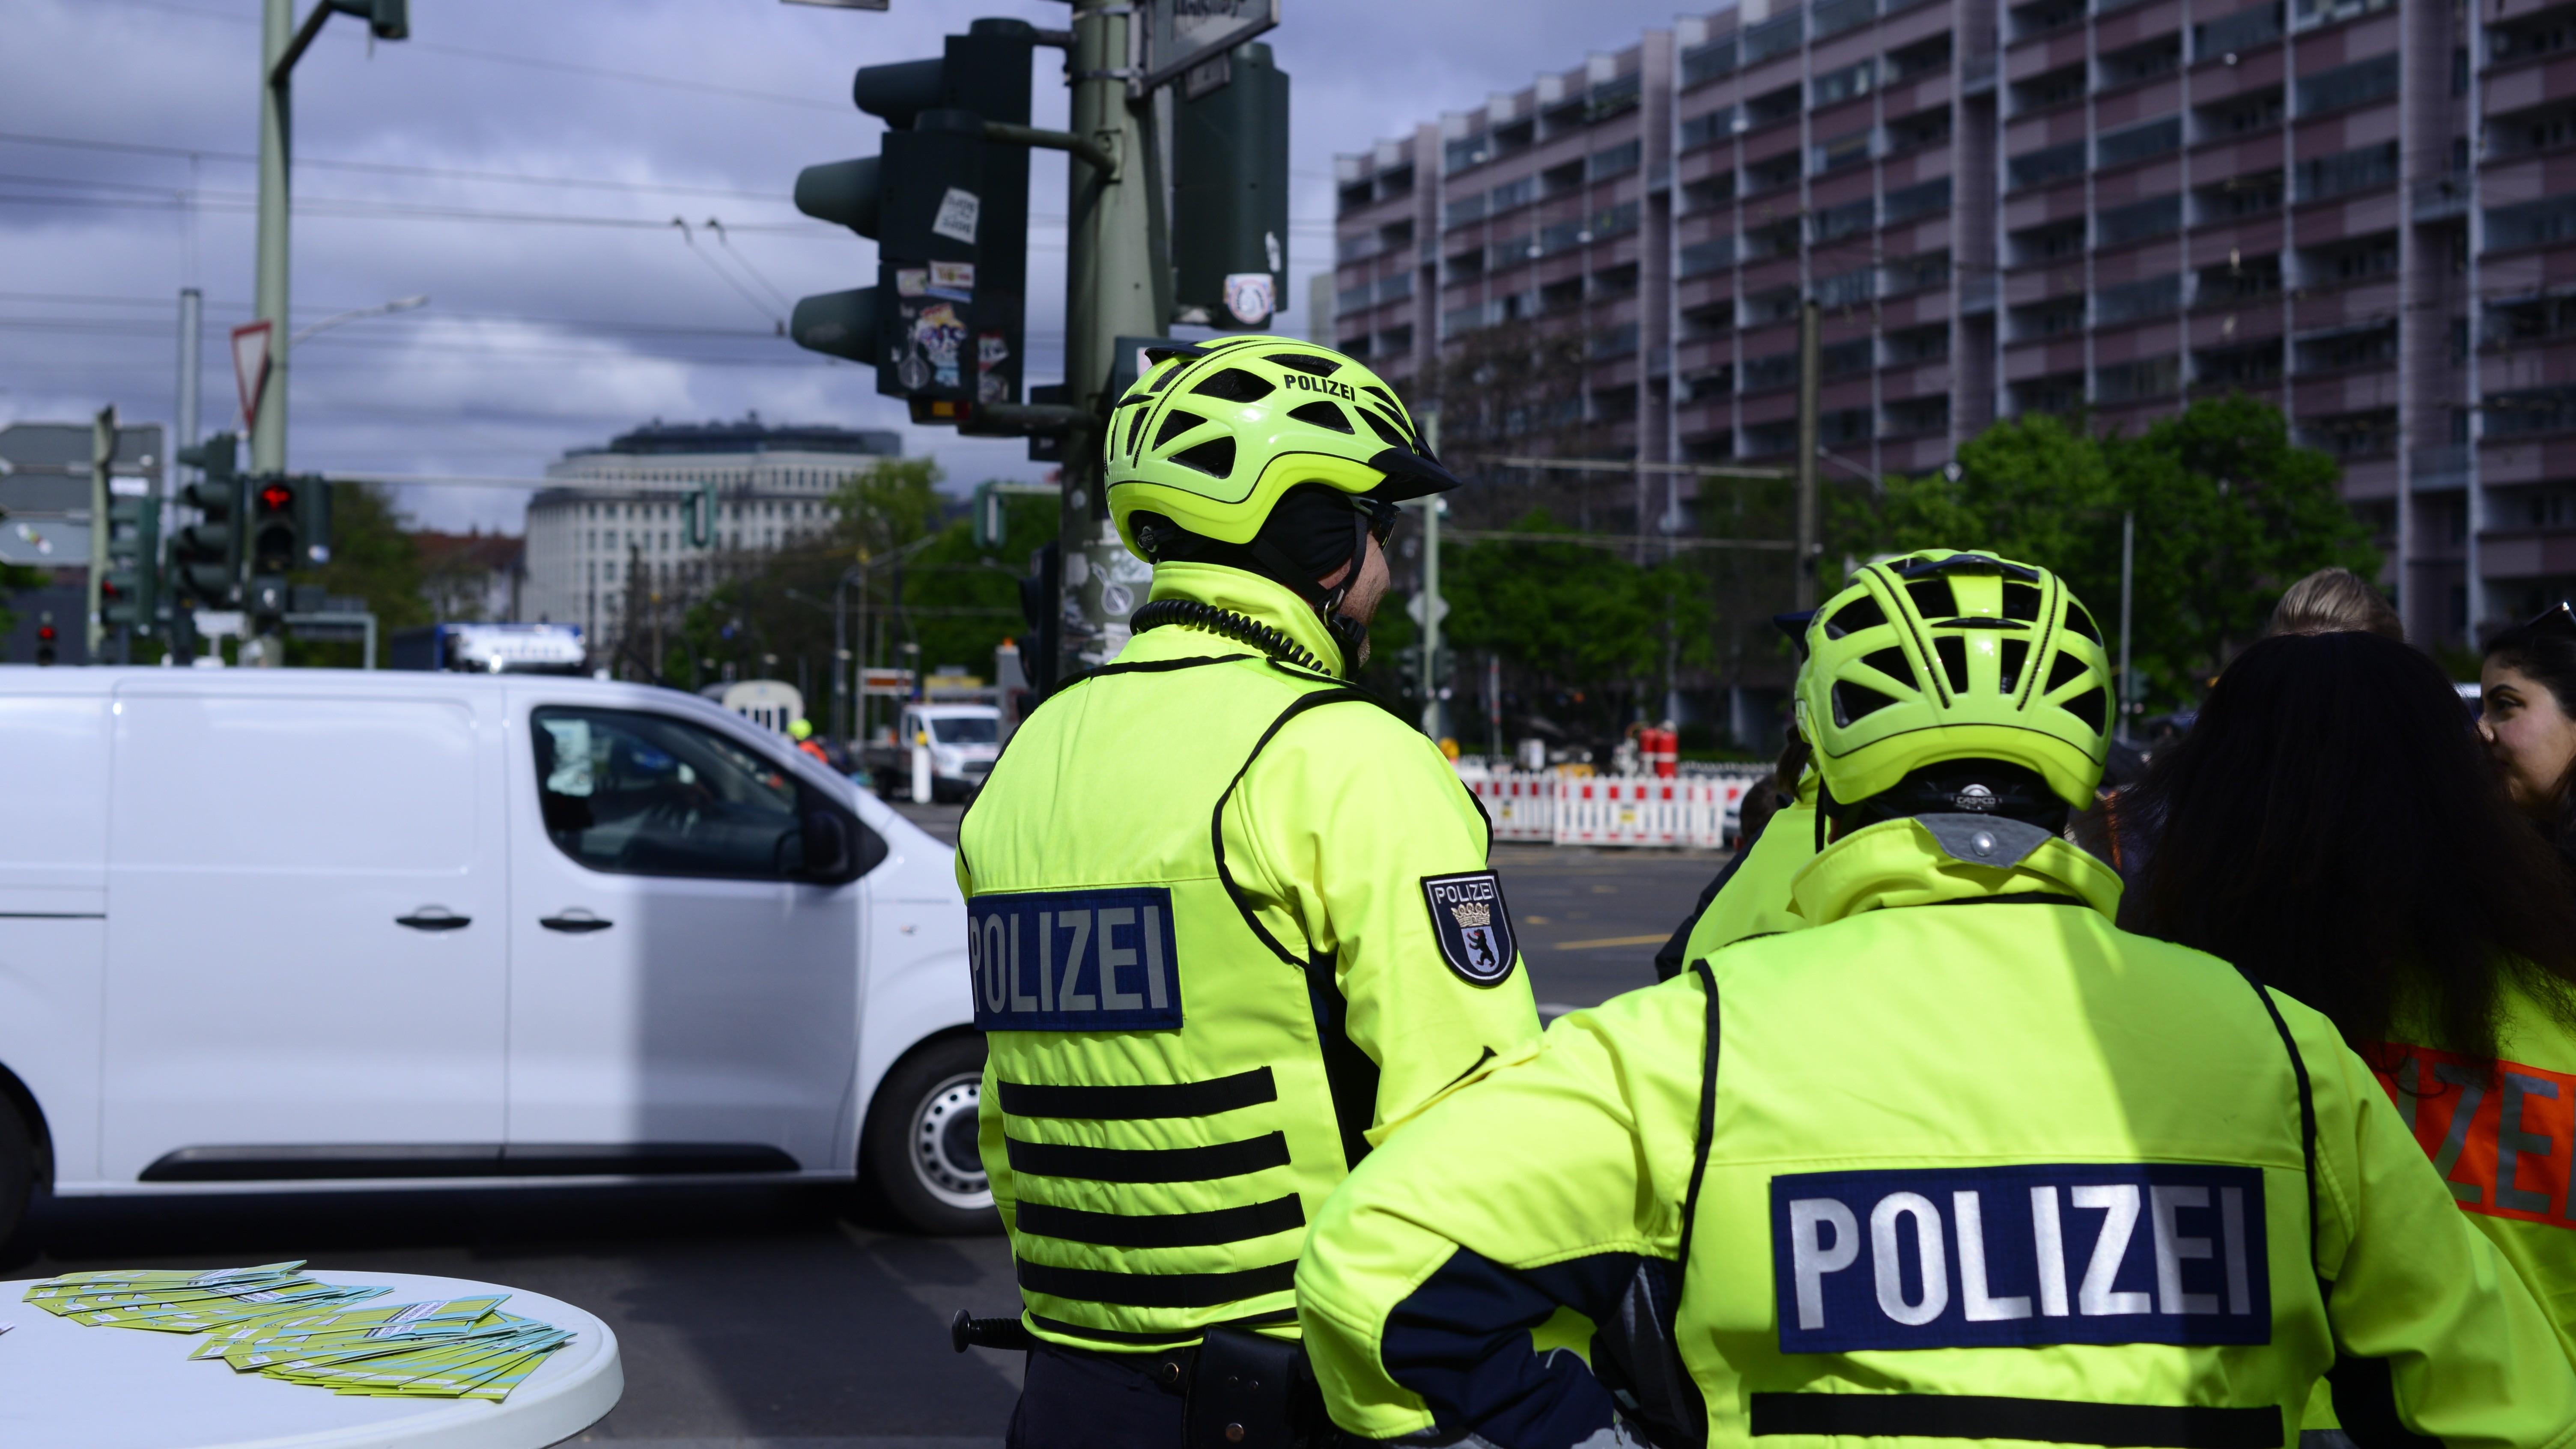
column 827, row 846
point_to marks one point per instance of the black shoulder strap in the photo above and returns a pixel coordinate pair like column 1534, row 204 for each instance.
column 2307, row 1112
column 1216, row 817
column 1707, row 1126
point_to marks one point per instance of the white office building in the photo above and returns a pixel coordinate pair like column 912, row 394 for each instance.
column 772, row 485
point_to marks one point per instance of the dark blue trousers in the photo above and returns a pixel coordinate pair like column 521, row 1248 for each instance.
column 1075, row 1400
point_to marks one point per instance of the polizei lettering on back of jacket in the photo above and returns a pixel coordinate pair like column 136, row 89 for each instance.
column 1088, row 960
column 2019, row 1256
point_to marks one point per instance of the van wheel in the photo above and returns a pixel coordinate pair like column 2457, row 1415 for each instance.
column 919, row 1162
column 17, row 1169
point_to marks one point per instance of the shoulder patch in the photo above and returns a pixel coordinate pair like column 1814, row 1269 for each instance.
column 1472, row 924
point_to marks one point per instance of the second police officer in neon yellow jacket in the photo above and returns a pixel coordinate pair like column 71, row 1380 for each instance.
column 1960, row 1160
column 1229, row 915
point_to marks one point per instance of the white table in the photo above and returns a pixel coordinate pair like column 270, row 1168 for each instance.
column 63, row 1386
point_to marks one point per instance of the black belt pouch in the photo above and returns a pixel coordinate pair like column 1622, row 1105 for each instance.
column 1242, row 1389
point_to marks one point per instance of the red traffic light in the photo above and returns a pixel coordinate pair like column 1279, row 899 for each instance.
column 276, row 497
column 45, row 633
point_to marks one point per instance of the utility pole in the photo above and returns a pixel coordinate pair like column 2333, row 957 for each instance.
column 1433, row 604
column 1809, row 442
column 268, row 421
column 281, row 43
column 1110, row 291
column 192, row 357
column 102, row 459
column 2128, row 577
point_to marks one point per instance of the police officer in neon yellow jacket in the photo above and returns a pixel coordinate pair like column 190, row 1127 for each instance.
column 1961, row 1160
column 1228, row 913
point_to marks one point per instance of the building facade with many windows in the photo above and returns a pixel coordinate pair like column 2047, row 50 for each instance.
column 2363, row 211
column 589, row 548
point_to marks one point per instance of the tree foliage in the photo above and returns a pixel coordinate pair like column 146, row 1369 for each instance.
column 373, row 558
column 1587, row 628
column 954, row 600
column 2230, row 511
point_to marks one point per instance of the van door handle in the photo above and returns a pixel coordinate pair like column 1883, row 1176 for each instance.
column 576, row 921
column 434, row 918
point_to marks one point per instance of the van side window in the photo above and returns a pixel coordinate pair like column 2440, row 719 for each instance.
column 644, row 794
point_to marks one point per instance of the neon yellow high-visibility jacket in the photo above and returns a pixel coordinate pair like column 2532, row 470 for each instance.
column 2502, row 1140
column 1754, row 901
column 1227, row 916
column 1979, row 1166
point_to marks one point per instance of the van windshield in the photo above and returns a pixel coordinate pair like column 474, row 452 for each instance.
column 966, row 730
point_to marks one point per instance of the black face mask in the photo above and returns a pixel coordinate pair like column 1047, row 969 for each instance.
column 1959, row 787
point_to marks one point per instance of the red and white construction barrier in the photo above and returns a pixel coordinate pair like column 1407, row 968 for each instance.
column 1642, row 810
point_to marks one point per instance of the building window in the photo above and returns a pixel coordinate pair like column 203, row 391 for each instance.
column 2161, row 56
column 2034, row 245
column 1708, row 256
column 1850, row 219
column 2239, row 197
column 2255, row 364
column 2154, row 297
column 2354, row 435
column 2057, row 317
column 2533, row 223
column 1841, row 151
column 2056, row 88
column 1921, row 58
column 1708, row 62
column 2054, row 163
column 1708, row 128
column 1617, row 161
column 2132, row 381
column 2139, row 220
column 1837, row 86
column 2357, row 84
column 2348, row 348
column 1908, row 202
column 2137, row 143
column 2345, row 262
column 1762, row 374
column 2060, row 393
column 1918, row 417
column 1918, row 345
column 1923, row 128
column 1776, row 36
column 1843, row 359
column 2255, row 25
column 1921, row 270
column 2344, row 172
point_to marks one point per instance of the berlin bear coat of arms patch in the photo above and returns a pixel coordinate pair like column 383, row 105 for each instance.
column 1473, row 926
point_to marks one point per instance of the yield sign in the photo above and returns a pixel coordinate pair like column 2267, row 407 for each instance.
column 250, row 367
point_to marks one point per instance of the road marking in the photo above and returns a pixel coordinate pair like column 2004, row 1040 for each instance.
column 1605, row 941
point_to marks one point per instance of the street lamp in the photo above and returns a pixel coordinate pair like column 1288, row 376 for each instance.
column 282, row 43
column 398, row 304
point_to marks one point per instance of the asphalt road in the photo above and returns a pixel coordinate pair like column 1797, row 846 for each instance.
column 770, row 1317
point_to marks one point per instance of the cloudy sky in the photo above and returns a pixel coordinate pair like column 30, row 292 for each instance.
column 520, row 162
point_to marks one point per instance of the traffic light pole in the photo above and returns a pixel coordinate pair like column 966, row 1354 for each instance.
column 268, row 422
column 102, row 459
column 1109, row 293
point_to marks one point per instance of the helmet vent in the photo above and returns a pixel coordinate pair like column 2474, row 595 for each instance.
column 2081, row 622
column 1953, row 650
column 1306, row 363
column 1175, row 423
column 1135, row 434
column 1235, row 385
column 2021, row 601
column 1861, row 613
column 1892, row 663
column 1382, row 395
column 2016, row 654
column 1385, row 429
column 1215, row 457
column 2091, row 707
column 2065, row 671
column 1857, row 701
column 1932, row 598
column 1322, row 415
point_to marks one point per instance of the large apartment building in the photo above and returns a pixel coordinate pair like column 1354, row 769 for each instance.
column 2361, row 210
column 588, row 545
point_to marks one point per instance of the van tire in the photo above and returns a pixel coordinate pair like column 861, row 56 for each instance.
column 17, row 1169
column 919, row 1165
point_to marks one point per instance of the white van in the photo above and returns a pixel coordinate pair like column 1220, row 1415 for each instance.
column 336, row 929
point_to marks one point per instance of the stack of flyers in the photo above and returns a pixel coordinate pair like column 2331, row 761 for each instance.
column 272, row 1321
column 185, row 1300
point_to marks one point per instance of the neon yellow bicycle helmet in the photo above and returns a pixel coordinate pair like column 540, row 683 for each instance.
column 1944, row 655
column 1212, row 435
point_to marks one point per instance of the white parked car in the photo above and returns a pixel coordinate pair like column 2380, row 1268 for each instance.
column 329, row 928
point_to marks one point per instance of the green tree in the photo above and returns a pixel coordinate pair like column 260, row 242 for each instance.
column 373, row 558
column 1585, row 626
column 16, row 579
column 2230, row 511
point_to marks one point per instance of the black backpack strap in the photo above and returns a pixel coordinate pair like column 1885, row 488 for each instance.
column 2307, row 1113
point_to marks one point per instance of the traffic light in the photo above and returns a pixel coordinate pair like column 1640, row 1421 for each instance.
column 949, row 211
column 698, row 516
column 206, row 556
column 290, row 529
column 1230, row 194
column 386, row 19
column 129, row 593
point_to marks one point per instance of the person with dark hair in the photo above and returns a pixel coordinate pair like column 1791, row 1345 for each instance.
column 2329, row 827
column 2334, row 601
column 2528, row 719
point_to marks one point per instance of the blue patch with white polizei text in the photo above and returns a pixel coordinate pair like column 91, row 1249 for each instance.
column 1087, row 960
column 2020, row 1256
